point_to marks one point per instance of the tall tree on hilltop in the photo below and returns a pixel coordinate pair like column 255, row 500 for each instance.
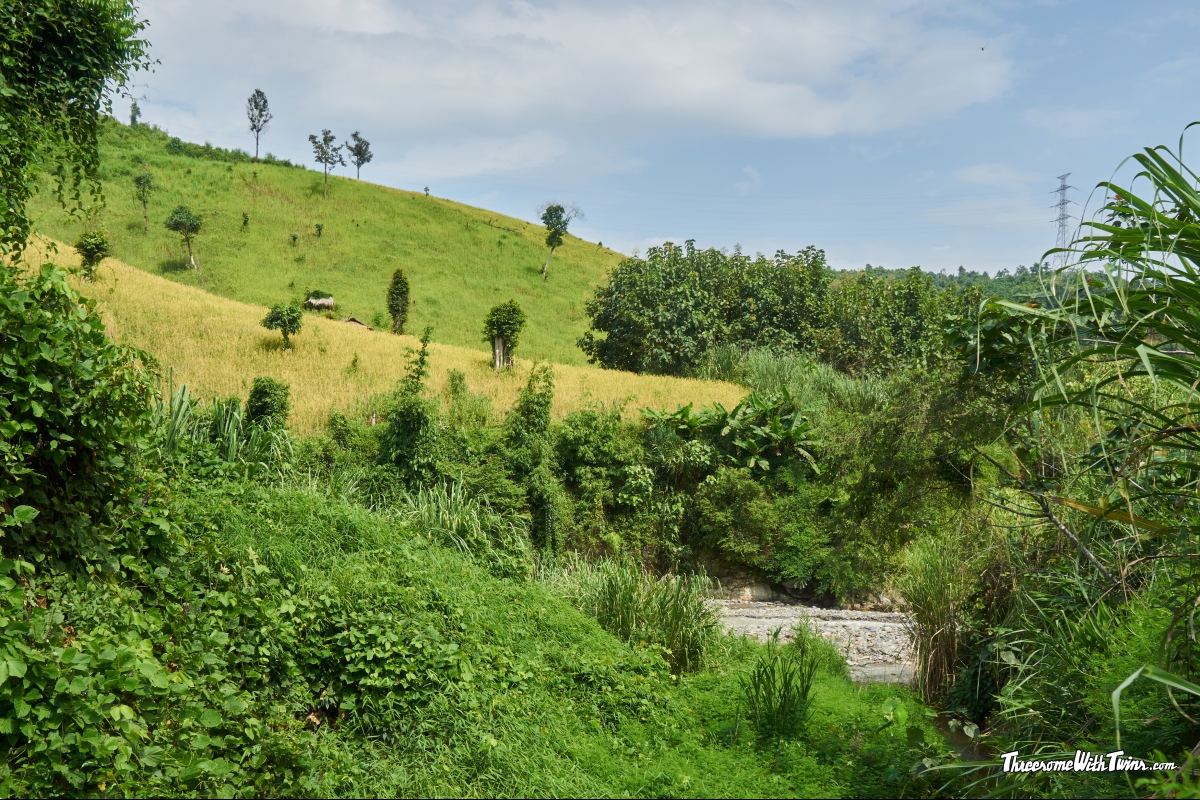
column 135, row 113
column 397, row 301
column 556, row 218
column 360, row 152
column 326, row 153
column 59, row 61
column 143, row 187
column 259, row 114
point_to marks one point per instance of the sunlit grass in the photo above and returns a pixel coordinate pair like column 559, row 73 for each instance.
column 217, row 347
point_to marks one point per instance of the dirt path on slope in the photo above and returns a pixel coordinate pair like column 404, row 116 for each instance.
column 875, row 643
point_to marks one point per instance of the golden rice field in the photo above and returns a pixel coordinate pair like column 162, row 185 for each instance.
column 217, row 347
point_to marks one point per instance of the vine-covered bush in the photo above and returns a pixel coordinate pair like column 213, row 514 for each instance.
column 76, row 422
column 269, row 401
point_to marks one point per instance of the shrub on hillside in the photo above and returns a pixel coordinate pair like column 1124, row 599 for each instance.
column 397, row 301
column 268, row 402
column 778, row 690
column 76, row 422
column 92, row 247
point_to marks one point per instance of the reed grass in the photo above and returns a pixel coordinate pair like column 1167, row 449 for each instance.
column 672, row 612
column 452, row 519
column 217, row 347
column 777, row 691
column 935, row 586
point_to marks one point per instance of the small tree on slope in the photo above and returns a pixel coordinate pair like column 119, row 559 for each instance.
column 326, row 153
column 360, row 152
column 143, row 187
column 397, row 301
column 286, row 319
column 93, row 248
column 557, row 219
column 501, row 329
column 187, row 225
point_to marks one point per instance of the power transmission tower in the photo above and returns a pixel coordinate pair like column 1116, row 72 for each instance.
column 1063, row 217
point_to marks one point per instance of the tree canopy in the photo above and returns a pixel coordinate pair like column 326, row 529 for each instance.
column 60, row 58
column 287, row 319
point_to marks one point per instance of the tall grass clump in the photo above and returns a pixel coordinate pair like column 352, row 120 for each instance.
column 672, row 612
column 777, row 692
column 447, row 515
column 935, row 587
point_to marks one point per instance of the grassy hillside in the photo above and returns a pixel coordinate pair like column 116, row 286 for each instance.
column 460, row 260
column 217, row 347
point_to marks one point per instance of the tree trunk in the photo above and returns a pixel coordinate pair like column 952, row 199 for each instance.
column 145, row 220
column 499, row 357
column 546, row 266
column 256, row 146
column 191, row 257
column 326, row 181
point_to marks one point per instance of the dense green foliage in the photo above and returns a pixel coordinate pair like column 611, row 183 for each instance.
column 675, row 311
column 663, row 313
column 75, row 424
column 59, row 58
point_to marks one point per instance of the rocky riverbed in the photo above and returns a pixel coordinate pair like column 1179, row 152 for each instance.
column 875, row 643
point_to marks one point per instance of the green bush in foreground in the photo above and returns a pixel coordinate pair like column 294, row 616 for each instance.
column 75, row 427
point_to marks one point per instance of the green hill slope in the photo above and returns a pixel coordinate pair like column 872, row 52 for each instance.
column 460, row 260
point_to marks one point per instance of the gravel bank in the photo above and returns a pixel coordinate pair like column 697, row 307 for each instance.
column 875, row 643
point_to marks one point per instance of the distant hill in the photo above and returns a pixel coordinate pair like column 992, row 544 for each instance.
column 460, row 260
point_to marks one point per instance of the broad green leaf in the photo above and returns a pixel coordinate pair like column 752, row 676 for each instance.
column 24, row 514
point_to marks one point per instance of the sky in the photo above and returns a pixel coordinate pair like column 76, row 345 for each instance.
column 891, row 132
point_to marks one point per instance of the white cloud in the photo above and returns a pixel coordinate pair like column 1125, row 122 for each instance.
column 427, row 78
column 1070, row 121
column 752, row 182
column 481, row 156
column 999, row 175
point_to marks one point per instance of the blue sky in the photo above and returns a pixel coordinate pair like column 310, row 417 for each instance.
column 892, row 133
